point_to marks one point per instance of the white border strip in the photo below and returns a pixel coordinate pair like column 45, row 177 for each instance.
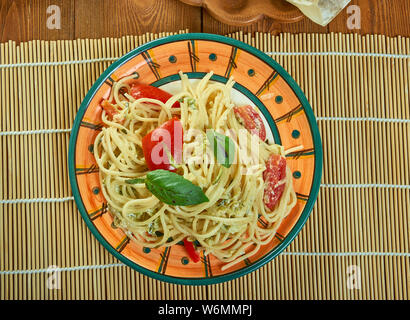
column 113, row 265
column 342, row 54
column 52, row 270
column 323, row 185
column 55, row 63
column 28, row 132
column 36, row 200
column 328, row 53
column 347, row 254
column 366, row 185
column 354, row 119
column 387, row 120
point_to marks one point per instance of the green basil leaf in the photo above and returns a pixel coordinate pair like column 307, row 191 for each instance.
column 174, row 189
column 222, row 146
column 134, row 181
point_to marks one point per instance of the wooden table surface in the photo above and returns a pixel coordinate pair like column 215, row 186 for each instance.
column 23, row 20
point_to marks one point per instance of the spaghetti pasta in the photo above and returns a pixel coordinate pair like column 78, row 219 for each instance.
column 227, row 226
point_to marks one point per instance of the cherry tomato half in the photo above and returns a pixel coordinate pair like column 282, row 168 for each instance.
column 189, row 247
column 140, row 90
column 109, row 109
column 274, row 177
column 162, row 141
column 251, row 120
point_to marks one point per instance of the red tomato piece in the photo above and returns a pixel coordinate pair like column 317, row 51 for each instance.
column 274, row 177
column 156, row 145
column 109, row 109
column 140, row 90
column 189, row 246
column 251, row 120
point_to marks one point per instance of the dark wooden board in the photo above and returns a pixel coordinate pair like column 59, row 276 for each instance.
column 390, row 18
column 22, row 20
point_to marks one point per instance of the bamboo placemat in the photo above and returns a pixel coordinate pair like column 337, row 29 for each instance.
column 359, row 90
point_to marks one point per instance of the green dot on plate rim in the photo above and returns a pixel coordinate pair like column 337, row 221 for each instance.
column 278, row 99
column 295, row 134
column 297, row 174
column 251, row 72
column 184, row 260
column 212, row 57
column 172, row 59
column 146, row 250
column 96, row 190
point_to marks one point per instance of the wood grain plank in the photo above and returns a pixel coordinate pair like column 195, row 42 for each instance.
column 22, row 20
column 390, row 18
column 133, row 17
column 211, row 25
column 377, row 17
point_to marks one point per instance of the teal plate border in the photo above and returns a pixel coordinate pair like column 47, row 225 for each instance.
column 316, row 139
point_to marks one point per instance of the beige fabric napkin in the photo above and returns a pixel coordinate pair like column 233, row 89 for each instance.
column 320, row 11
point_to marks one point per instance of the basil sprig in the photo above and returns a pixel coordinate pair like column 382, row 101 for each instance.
column 222, row 146
column 172, row 188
